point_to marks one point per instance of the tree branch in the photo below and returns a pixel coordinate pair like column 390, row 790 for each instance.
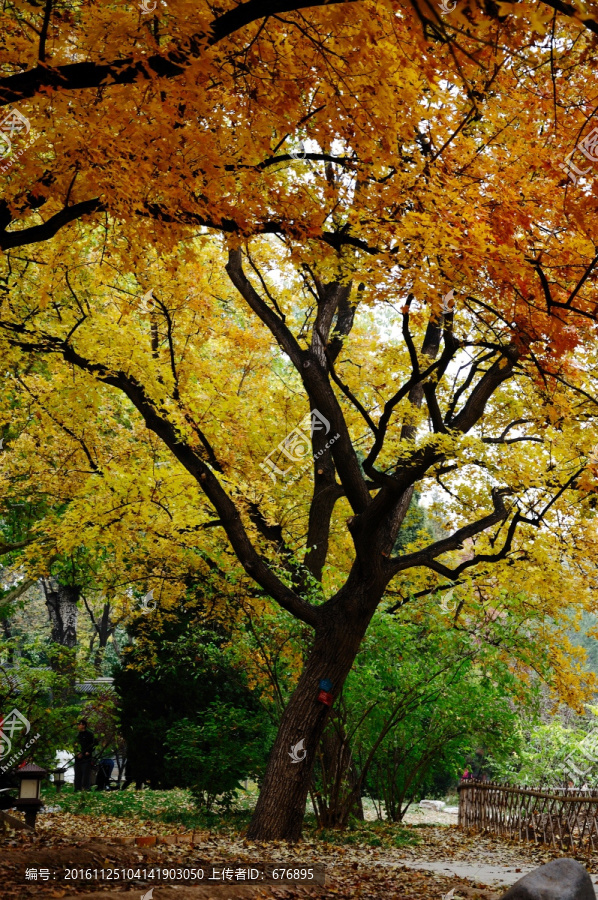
column 427, row 556
column 474, row 407
column 16, row 592
column 47, row 230
column 156, row 421
column 8, row 548
column 88, row 75
column 317, row 385
column 273, row 322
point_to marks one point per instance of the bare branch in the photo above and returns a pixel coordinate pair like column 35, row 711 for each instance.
column 427, row 556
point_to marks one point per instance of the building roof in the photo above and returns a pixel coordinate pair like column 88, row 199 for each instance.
column 97, row 686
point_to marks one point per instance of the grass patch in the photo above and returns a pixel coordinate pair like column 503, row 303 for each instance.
column 371, row 834
column 174, row 807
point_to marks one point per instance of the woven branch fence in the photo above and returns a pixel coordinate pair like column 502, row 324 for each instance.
column 562, row 818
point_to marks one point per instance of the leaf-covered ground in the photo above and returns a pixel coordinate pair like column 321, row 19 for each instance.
column 369, row 861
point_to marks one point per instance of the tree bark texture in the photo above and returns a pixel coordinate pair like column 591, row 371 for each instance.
column 280, row 808
column 61, row 601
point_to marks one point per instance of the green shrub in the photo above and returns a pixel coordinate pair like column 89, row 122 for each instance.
column 212, row 753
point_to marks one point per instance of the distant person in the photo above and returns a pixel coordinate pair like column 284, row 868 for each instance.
column 466, row 775
column 83, row 756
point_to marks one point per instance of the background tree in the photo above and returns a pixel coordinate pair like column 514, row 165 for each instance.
column 44, row 695
column 177, row 687
column 421, row 698
column 217, row 749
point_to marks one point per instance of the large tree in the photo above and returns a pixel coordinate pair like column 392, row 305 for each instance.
column 427, row 169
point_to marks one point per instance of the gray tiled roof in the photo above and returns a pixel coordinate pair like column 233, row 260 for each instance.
column 97, row 686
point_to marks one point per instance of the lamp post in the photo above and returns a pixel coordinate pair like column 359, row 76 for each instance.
column 29, row 800
column 58, row 779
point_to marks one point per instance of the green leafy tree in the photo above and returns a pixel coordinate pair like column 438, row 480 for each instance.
column 45, row 698
column 420, row 700
column 214, row 752
column 560, row 751
column 174, row 673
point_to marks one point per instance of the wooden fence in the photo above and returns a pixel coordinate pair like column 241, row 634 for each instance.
column 564, row 818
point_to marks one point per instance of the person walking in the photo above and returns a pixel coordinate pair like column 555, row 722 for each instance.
column 83, row 756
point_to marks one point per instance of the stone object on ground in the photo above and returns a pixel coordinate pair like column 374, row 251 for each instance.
column 432, row 804
column 561, row 879
column 452, row 810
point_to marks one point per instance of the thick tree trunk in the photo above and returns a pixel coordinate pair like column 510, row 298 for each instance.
column 280, row 809
column 101, row 630
column 61, row 601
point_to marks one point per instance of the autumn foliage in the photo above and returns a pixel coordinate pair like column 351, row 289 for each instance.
column 354, row 209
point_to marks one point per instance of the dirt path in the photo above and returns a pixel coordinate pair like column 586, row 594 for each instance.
column 485, row 859
column 495, row 876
